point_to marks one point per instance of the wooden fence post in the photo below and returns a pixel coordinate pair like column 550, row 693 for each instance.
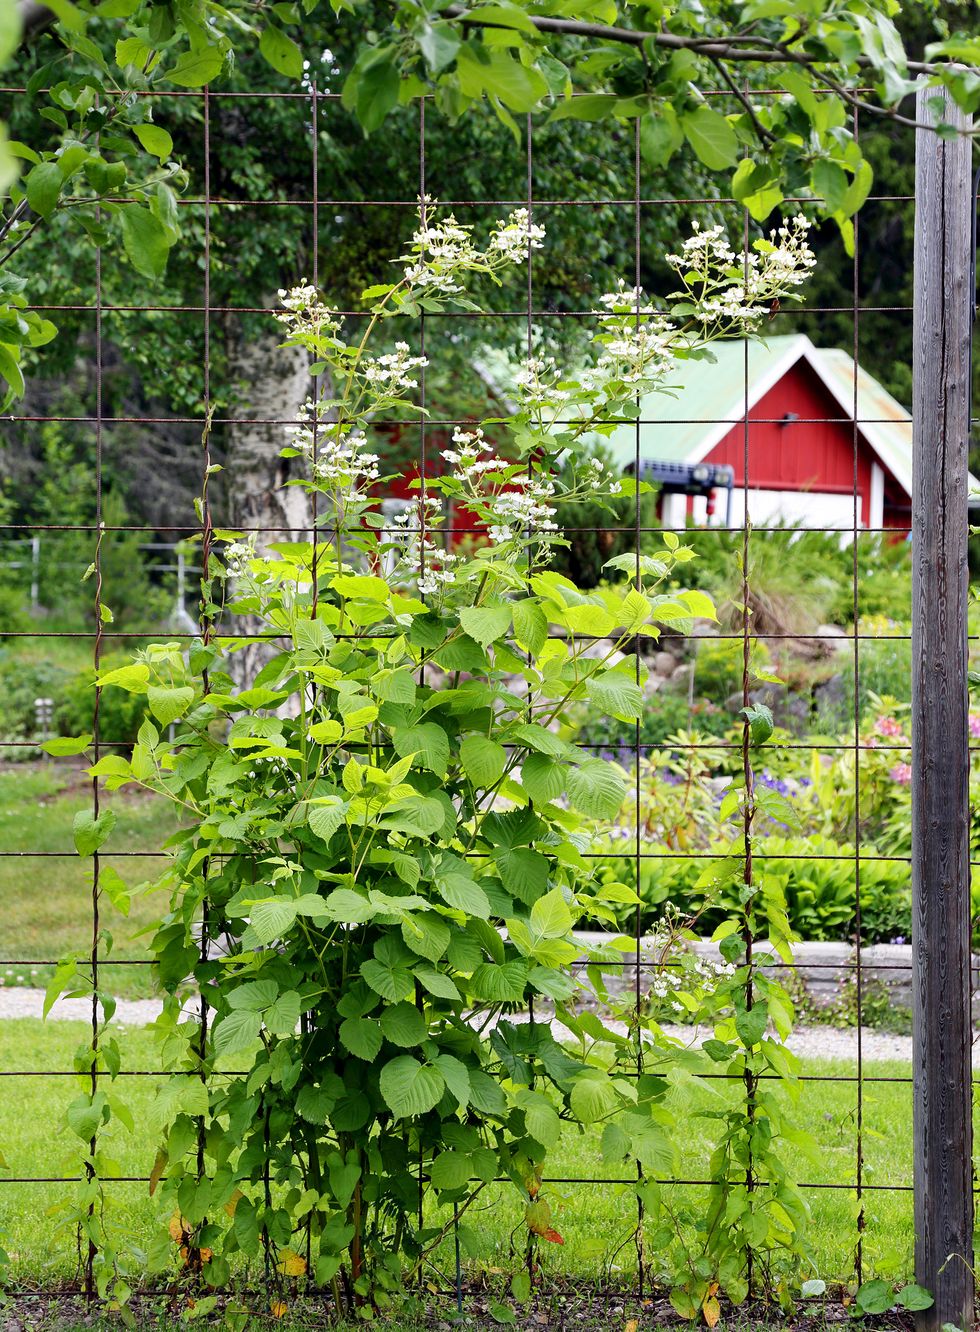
column 943, row 1135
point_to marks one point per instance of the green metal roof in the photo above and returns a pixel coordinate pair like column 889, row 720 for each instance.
column 703, row 399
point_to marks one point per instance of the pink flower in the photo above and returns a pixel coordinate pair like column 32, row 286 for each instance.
column 902, row 772
column 975, row 725
column 888, row 726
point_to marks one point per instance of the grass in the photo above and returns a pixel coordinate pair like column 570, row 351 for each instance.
column 46, row 901
column 595, row 1220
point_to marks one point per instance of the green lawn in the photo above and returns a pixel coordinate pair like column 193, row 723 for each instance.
column 596, row 1220
column 46, row 901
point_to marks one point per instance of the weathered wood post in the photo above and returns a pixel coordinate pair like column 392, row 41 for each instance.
column 940, row 755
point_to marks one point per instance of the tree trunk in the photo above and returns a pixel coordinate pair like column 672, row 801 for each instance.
column 272, row 382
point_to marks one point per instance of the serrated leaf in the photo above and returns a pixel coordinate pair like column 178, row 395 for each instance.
column 362, row 1037
column 428, row 742
column 483, row 760
column 168, row 705
column 410, row 1088
column 404, row 1025
column 485, row 624
column 711, row 137
column 596, row 789
column 272, row 919
column 616, row 694
column 326, row 816
column 592, row 1098
column 63, row 745
column 530, row 626
column 237, row 1031
column 89, row 832
column 550, row 916
column 196, row 68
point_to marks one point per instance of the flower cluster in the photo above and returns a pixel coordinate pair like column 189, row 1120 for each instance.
column 304, row 313
column 429, row 566
column 238, row 556
column 335, row 453
column 736, row 291
column 517, row 236
column 443, row 249
column 391, row 374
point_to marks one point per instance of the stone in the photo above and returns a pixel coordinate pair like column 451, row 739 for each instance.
column 665, row 664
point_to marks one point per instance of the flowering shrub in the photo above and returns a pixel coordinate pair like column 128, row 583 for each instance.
column 375, row 873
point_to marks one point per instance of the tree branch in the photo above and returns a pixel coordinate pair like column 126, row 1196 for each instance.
column 728, row 49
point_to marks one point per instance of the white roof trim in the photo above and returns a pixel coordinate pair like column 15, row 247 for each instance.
column 802, row 348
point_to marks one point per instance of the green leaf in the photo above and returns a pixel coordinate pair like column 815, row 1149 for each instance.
column 500, row 984
column 85, row 1114
column 281, row 52
column 43, row 187
column 543, row 778
column 63, row 745
column 90, row 832
column 272, row 919
column 450, row 1170
column 875, row 1297
column 437, row 983
column 362, row 1036
column 615, row 693
column 913, row 1298
column 429, row 742
column 463, row 893
column 145, row 240
column 404, row 1025
column 282, row 1017
column 596, row 789
column 483, row 760
column 550, row 916
column 326, row 816
column 197, row 68
column 410, row 1088
column 540, row 1118
column 167, row 705
column 530, row 626
column 427, row 935
column 524, row 872
column 751, row 1024
column 592, row 1098
column 829, row 181
column 711, row 137
column 387, row 972
column 760, row 721
column 485, row 623
column 237, row 1031
column 372, row 87
column 497, row 74
column 155, row 140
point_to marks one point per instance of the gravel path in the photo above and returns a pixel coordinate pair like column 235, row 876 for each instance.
column 27, row 1003
column 809, row 1042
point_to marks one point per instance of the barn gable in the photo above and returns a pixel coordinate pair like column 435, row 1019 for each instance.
column 802, row 402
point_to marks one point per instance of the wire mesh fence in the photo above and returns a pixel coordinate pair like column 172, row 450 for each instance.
column 861, row 1183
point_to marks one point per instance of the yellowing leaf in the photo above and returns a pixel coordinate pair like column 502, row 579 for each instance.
column 278, row 1307
column 232, row 1203
column 711, row 1310
column 291, row 1264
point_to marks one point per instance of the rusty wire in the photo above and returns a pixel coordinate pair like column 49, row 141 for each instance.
column 638, row 202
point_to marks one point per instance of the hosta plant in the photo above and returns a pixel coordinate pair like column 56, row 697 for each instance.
column 383, row 855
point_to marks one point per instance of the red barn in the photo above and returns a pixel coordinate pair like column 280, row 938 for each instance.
column 814, row 437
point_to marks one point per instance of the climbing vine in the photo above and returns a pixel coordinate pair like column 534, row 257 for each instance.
column 383, row 855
